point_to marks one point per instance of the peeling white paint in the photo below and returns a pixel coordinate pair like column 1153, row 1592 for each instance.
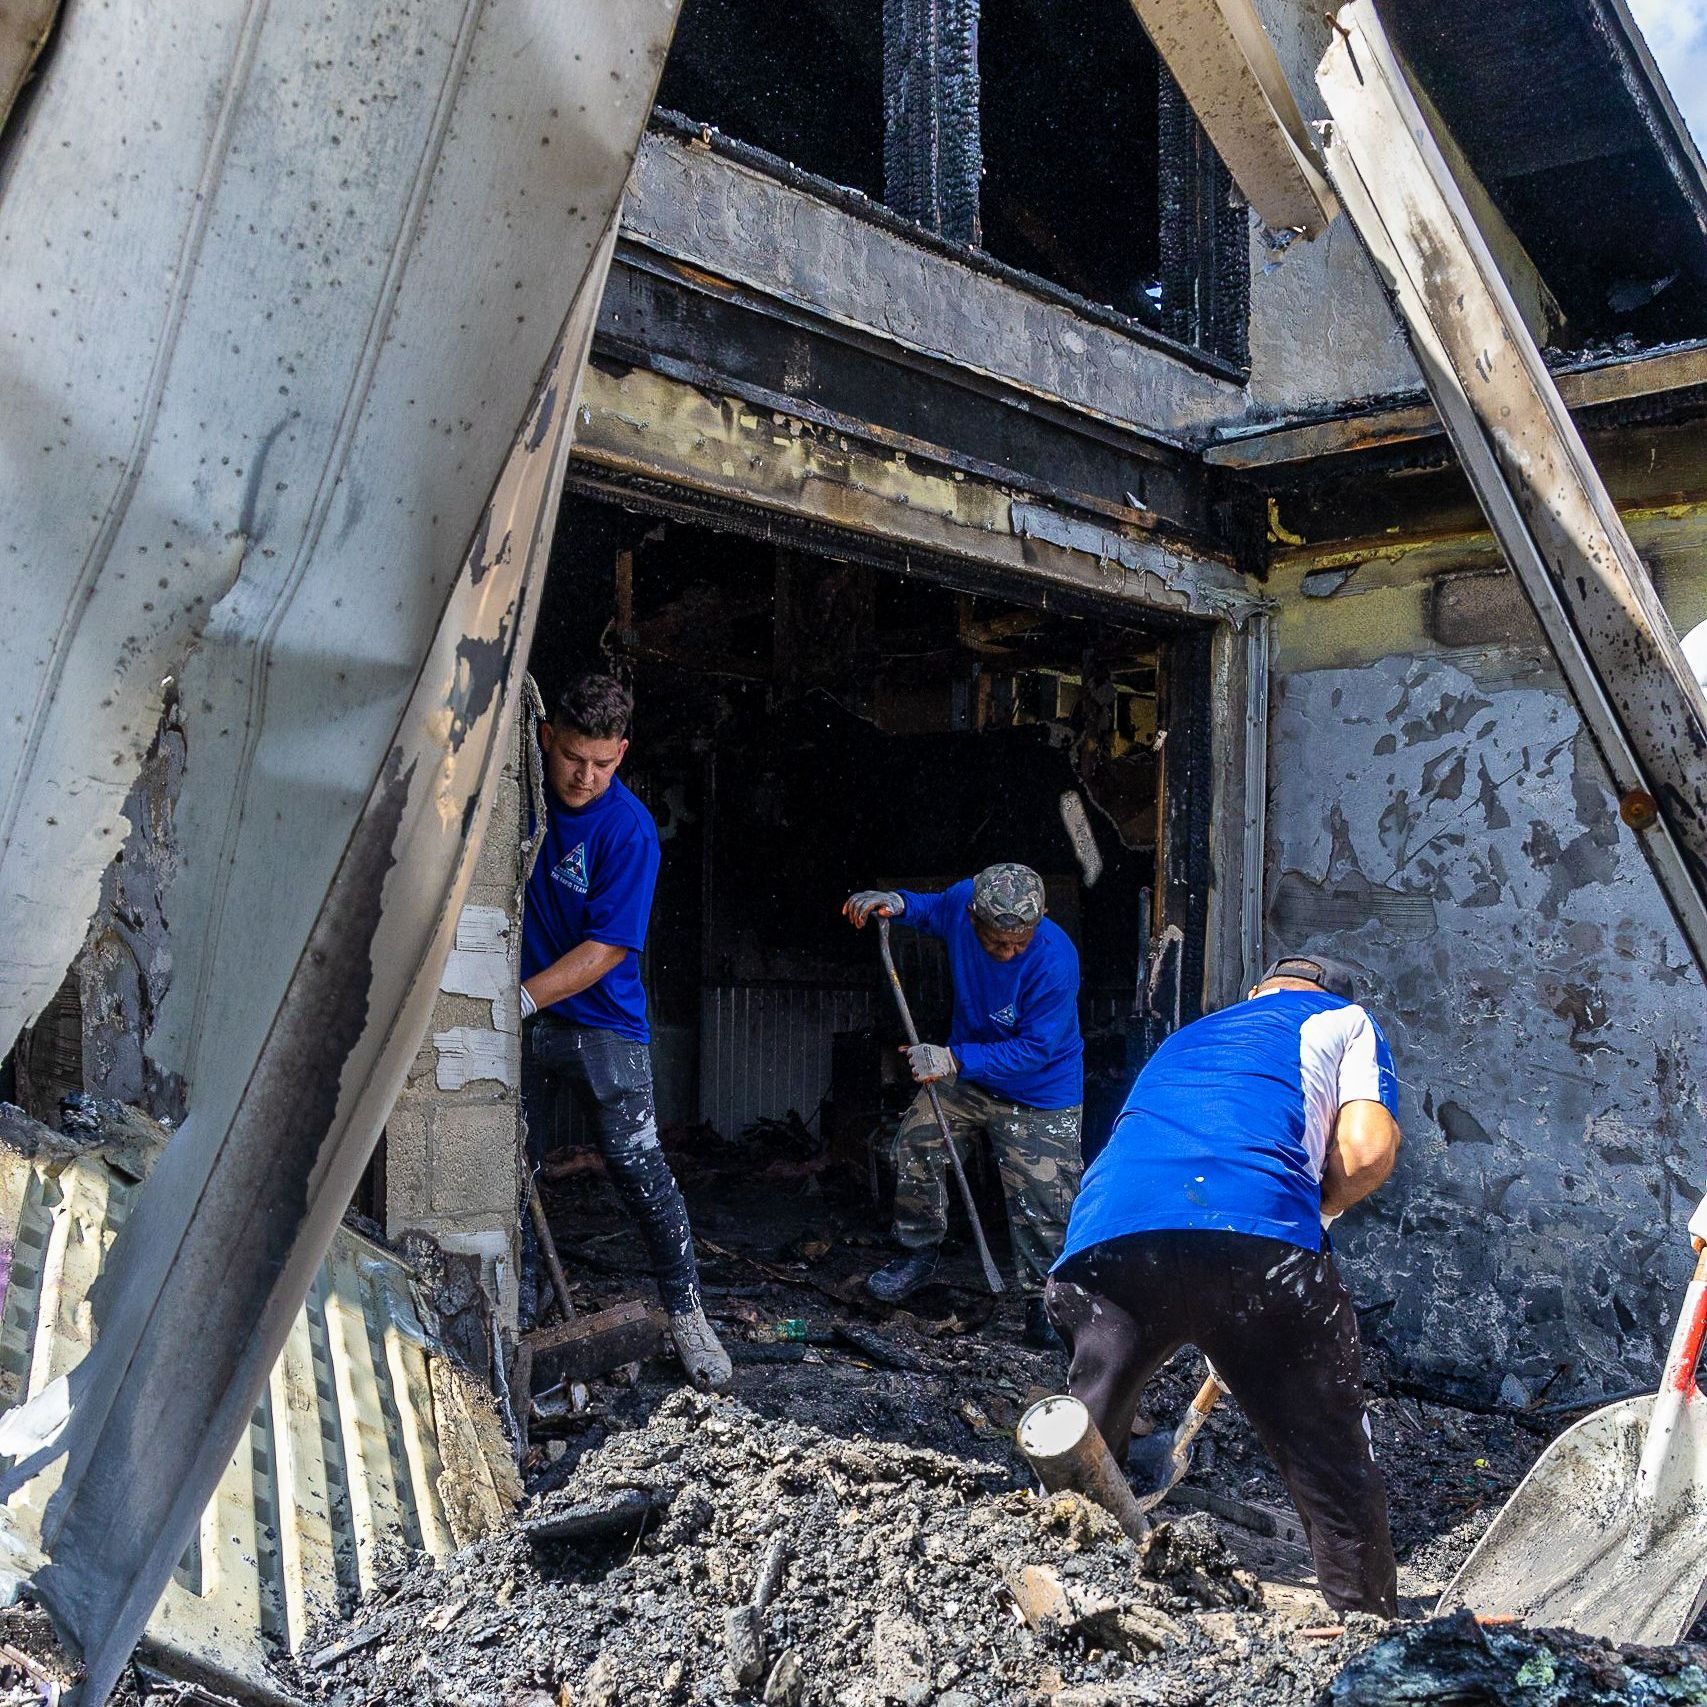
column 479, row 964
column 469, row 1054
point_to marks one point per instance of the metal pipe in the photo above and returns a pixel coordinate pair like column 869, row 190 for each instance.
column 1062, row 1445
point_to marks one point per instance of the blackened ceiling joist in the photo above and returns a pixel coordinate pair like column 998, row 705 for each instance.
column 1560, row 114
column 729, row 342
column 932, row 153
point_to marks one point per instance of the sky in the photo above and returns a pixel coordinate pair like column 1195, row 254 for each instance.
column 1677, row 34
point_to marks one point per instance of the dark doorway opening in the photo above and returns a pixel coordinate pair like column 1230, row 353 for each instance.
column 806, row 726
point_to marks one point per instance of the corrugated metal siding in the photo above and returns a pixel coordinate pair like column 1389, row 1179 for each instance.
column 765, row 1049
column 349, row 1455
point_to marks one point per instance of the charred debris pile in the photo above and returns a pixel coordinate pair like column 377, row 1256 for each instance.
column 854, row 1526
column 716, row 1555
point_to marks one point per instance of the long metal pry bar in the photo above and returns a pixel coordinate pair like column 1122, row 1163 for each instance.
column 992, row 1274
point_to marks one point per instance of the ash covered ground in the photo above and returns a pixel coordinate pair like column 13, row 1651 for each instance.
column 869, row 1471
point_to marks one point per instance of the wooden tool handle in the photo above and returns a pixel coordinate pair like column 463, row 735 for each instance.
column 992, row 1274
column 1207, row 1395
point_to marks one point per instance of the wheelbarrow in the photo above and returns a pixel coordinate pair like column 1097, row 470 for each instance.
column 1607, row 1534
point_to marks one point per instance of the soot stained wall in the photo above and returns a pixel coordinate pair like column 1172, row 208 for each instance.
column 1440, row 818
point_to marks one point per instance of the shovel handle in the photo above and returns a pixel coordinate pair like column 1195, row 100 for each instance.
column 1196, row 1415
column 1684, row 1356
column 992, row 1274
column 1678, row 1389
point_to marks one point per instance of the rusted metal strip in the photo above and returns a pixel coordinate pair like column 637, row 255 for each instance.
column 1221, row 56
column 1526, row 461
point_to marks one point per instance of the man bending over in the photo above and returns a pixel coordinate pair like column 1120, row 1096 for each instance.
column 1202, row 1224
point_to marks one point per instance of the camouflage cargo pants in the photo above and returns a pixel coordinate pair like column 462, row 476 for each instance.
column 1037, row 1153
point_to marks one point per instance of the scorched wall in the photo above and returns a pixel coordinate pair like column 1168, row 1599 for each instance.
column 1439, row 817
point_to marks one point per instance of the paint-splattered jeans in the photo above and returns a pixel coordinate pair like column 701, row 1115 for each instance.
column 1037, row 1153
column 610, row 1078
column 1279, row 1326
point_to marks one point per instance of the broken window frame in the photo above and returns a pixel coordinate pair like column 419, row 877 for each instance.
column 1204, row 314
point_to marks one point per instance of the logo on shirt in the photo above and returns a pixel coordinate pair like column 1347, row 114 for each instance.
column 571, row 870
column 1008, row 1016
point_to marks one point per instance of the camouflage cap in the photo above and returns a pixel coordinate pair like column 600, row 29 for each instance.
column 1010, row 897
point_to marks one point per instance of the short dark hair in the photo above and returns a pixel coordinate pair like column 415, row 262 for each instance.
column 595, row 705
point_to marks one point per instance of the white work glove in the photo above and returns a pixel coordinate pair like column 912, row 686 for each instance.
column 1698, row 1224
column 864, row 902
column 931, row 1061
column 529, row 1005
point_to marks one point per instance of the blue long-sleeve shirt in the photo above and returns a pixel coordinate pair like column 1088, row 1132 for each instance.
column 1015, row 1029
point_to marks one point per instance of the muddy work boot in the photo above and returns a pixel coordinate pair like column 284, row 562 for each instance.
column 902, row 1277
column 701, row 1351
column 1039, row 1330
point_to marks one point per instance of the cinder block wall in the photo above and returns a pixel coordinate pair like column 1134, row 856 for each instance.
column 1438, row 816
column 452, row 1144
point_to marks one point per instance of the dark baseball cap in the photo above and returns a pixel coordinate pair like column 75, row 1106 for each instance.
column 1334, row 976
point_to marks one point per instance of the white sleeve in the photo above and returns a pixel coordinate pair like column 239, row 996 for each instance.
column 1366, row 1063
column 1342, row 1058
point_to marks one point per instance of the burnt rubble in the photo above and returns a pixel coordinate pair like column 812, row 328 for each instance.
column 765, row 1560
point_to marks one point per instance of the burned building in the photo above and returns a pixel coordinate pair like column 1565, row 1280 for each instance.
column 963, row 470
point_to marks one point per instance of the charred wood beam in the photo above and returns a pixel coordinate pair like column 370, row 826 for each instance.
column 729, row 341
column 1611, row 391
column 588, row 1346
column 1532, row 475
column 1186, row 799
column 1226, row 64
column 1205, row 274
column 932, row 147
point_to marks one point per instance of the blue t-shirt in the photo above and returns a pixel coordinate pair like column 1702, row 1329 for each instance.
column 593, row 882
column 1016, row 1023
column 1228, row 1125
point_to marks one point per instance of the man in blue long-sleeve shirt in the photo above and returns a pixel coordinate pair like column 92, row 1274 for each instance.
column 1013, row 1067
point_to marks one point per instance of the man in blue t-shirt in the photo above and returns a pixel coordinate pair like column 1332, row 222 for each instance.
column 1013, row 1067
column 1201, row 1223
column 589, row 897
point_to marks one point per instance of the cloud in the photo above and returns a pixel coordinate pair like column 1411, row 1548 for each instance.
column 1677, row 34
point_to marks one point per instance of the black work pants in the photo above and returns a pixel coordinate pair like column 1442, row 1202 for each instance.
column 1279, row 1326
column 610, row 1078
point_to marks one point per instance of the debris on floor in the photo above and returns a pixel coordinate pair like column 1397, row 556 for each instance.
column 713, row 1553
column 855, row 1524
column 1457, row 1660
column 369, row 1440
